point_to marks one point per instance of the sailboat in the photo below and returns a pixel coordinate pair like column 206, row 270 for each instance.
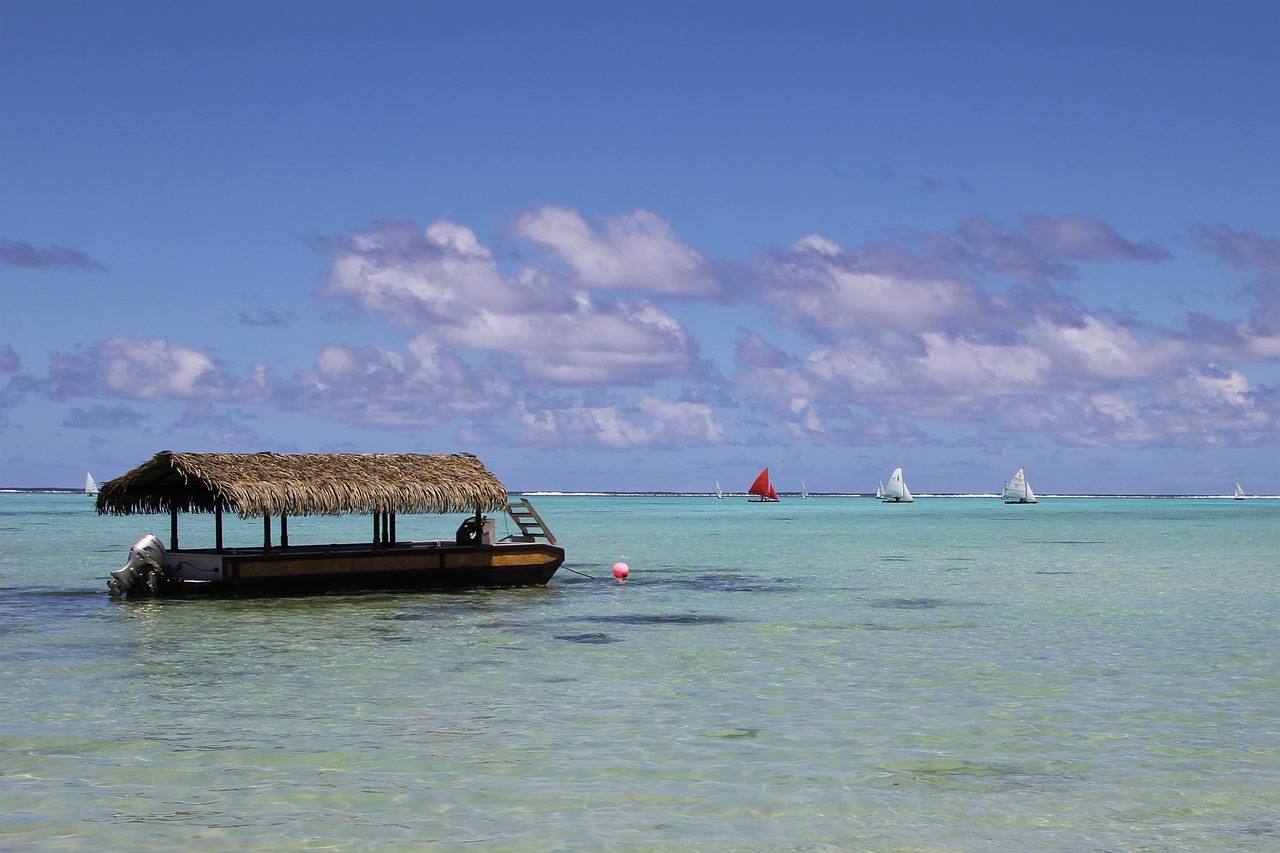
column 1018, row 491
column 1239, row 492
column 804, row 490
column 719, row 493
column 896, row 492
column 880, row 491
column 762, row 490
column 90, row 486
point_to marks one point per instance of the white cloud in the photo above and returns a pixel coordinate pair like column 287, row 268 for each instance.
column 635, row 251
column 650, row 422
column 158, row 369
column 442, row 282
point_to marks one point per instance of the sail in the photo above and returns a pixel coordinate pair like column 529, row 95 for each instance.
column 897, row 491
column 762, row 488
column 90, row 486
column 1239, row 492
column 719, row 493
column 1018, row 491
column 880, row 491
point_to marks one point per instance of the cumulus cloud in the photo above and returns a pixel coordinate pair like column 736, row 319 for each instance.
column 443, row 282
column 826, row 289
column 636, row 251
column 154, row 370
column 1044, row 247
column 374, row 386
column 20, row 253
column 926, row 336
column 9, row 360
column 647, row 423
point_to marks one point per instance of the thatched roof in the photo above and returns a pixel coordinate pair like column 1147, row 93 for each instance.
column 254, row 484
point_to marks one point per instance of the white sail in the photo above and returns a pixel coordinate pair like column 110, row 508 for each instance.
column 719, row 493
column 1239, row 492
column 880, row 491
column 897, row 491
column 90, row 485
column 1018, row 491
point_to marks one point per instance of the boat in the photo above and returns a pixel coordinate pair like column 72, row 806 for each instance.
column 762, row 490
column 719, row 493
column 896, row 492
column 1239, row 492
column 880, row 491
column 1018, row 491
column 271, row 485
column 90, row 486
column 804, row 490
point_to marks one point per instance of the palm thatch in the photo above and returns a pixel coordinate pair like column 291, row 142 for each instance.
column 257, row 484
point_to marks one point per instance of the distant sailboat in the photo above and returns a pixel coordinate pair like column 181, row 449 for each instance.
column 880, row 491
column 896, row 492
column 719, row 493
column 90, row 486
column 1239, row 492
column 1017, row 491
column 762, row 490
column 804, row 491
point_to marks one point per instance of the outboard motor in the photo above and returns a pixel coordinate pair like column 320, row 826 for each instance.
column 145, row 558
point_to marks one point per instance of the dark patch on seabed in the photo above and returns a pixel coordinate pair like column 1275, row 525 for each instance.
column 672, row 619
column 920, row 603
column 1068, row 542
column 727, row 583
column 594, row 639
column 894, row 558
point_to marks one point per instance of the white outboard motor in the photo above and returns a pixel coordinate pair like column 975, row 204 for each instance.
column 145, row 558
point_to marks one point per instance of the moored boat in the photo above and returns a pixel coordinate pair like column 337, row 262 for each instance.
column 267, row 485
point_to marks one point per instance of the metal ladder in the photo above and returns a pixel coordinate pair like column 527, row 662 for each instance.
column 527, row 519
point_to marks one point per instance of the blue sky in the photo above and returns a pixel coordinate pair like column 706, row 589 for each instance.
column 648, row 246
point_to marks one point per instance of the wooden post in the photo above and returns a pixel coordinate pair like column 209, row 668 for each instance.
column 173, row 528
column 266, row 531
column 376, row 526
column 217, row 522
column 284, row 529
column 393, row 527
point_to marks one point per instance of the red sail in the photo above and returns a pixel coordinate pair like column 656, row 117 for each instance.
column 761, row 486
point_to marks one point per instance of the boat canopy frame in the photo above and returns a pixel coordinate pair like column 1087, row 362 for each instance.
column 280, row 484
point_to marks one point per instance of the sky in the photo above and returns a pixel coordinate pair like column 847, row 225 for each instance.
column 648, row 246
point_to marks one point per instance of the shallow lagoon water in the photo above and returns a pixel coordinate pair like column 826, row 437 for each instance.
column 813, row 675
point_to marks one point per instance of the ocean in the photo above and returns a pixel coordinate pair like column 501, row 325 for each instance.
column 829, row 674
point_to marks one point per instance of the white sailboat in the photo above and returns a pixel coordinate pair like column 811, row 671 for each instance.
column 719, row 493
column 896, row 492
column 1239, row 492
column 1018, row 491
column 880, row 491
column 90, row 486
column 804, row 491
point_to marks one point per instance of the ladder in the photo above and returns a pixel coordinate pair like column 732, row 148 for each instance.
column 527, row 519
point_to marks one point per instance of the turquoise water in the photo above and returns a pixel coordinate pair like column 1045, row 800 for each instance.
column 814, row 675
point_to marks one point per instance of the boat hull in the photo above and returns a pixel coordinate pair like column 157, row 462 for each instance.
column 310, row 570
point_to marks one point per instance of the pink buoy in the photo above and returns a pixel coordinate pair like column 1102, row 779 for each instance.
column 621, row 570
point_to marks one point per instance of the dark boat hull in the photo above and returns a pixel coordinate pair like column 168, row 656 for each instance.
column 311, row 570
